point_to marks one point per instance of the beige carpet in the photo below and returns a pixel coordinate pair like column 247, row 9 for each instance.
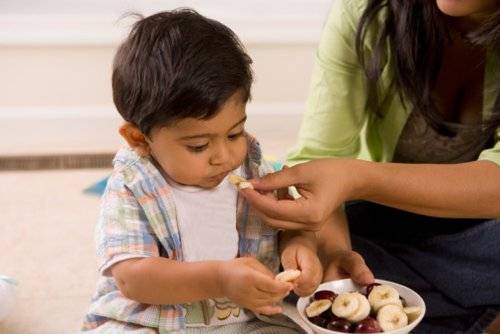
column 47, row 244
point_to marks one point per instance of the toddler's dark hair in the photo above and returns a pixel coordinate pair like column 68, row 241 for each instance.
column 178, row 64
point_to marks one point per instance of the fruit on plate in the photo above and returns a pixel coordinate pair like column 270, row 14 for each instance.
column 367, row 325
column 380, row 310
column 319, row 321
column 382, row 295
column 325, row 294
column 352, row 306
column 391, row 317
column 412, row 312
column 317, row 307
column 339, row 325
column 369, row 288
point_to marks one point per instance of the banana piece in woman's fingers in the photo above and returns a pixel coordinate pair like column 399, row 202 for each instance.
column 239, row 182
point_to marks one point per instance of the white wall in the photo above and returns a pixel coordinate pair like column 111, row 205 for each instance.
column 55, row 61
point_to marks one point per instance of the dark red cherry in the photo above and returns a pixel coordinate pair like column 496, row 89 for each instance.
column 328, row 315
column 319, row 321
column 325, row 294
column 370, row 287
column 367, row 325
column 339, row 325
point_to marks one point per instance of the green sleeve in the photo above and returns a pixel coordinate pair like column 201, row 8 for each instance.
column 336, row 103
column 492, row 154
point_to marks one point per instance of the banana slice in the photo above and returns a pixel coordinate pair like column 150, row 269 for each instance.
column 239, row 182
column 317, row 307
column 382, row 295
column 413, row 312
column 391, row 317
column 363, row 308
column 289, row 275
column 345, row 305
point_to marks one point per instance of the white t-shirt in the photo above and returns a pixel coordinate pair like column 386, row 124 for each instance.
column 207, row 227
column 207, row 220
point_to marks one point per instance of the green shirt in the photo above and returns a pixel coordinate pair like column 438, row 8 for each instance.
column 337, row 122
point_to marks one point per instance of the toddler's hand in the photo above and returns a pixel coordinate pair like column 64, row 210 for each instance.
column 300, row 257
column 250, row 284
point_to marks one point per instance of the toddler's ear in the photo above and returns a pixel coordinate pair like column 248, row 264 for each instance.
column 135, row 138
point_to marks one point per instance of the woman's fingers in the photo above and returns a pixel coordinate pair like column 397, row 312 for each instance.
column 289, row 225
column 333, row 273
column 357, row 269
column 281, row 179
column 285, row 209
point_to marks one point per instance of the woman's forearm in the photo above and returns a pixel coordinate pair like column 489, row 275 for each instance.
column 291, row 238
column 467, row 190
column 334, row 235
column 157, row 280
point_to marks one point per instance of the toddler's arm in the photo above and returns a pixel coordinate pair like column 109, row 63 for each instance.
column 157, row 280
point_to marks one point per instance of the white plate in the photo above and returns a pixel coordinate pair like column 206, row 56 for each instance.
column 347, row 285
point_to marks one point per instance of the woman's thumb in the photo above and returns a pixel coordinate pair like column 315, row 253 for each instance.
column 284, row 178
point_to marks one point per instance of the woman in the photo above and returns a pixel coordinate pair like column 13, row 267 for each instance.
column 419, row 82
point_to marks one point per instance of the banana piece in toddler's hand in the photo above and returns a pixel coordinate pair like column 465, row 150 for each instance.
column 289, row 275
column 239, row 182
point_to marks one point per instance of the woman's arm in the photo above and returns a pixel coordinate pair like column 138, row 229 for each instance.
column 468, row 190
column 337, row 256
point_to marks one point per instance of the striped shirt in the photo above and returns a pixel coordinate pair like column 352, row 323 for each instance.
column 138, row 219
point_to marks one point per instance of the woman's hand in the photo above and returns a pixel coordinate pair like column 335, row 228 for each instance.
column 248, row 283
column 323, row 184
column 347, row 264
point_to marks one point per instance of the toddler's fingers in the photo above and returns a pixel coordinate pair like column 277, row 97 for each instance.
column 269, row 310
column 289, row 261
column 267, row 300
column 312, row 273
column 272, row 286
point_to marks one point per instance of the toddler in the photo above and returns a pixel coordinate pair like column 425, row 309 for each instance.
column 178, row 248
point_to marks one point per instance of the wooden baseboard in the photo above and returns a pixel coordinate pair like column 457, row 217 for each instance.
column 56, row 161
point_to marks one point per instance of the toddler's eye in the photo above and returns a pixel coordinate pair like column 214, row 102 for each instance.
column 198, row 148
column 235, row 135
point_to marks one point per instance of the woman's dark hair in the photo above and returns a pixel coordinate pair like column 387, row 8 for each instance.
column 178, row 64
column 417, row 31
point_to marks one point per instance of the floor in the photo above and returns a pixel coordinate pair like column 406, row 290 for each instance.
column 47, row 246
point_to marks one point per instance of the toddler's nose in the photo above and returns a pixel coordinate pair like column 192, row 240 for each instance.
column 221, row 156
